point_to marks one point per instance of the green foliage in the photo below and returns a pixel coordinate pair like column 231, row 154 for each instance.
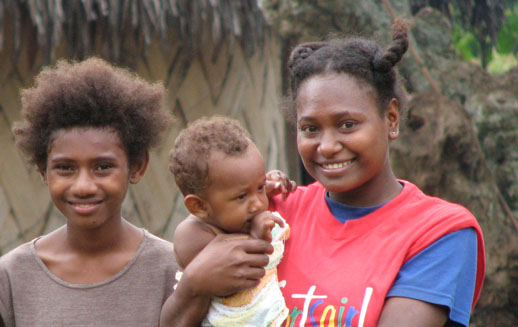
column 465, row 43
column 497, row 53
column 507, row 39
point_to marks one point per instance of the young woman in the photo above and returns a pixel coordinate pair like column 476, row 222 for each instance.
column 368, row 249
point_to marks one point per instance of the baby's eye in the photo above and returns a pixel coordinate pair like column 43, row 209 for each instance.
column 241, row 196
column 261, row 188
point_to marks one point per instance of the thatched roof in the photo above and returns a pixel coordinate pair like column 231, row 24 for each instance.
column 80, row 22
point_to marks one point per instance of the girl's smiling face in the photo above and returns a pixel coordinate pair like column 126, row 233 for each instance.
column 343, row 138
column 87, row 175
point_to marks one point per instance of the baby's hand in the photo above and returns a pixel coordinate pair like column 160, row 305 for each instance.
column 262, row 225
column 277, row 182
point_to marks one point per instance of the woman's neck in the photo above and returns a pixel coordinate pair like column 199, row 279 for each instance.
column 374, row 192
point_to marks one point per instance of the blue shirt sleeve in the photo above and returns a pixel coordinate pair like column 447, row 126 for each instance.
column 444, row 274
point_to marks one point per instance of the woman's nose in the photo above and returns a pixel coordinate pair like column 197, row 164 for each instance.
column 329, row 145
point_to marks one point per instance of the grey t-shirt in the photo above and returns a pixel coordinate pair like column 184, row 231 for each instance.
column 30, row 295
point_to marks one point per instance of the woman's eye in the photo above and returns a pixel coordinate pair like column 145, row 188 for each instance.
column 308, row 129
column 348, row 124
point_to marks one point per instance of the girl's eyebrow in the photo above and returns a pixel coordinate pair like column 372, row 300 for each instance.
column 61, row 159
column 64, row 158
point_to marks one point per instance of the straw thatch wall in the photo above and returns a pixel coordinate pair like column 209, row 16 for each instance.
column 213, row 59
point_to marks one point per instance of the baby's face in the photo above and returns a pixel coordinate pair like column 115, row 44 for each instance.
column 236, row 191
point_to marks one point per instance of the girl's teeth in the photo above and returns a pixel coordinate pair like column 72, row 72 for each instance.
column 84, row 205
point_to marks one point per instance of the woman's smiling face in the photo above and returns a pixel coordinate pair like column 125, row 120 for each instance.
column 342, row 136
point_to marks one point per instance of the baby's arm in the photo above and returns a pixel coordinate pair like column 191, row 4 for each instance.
column 277, row 182
column 190, row 237
column 262, row 225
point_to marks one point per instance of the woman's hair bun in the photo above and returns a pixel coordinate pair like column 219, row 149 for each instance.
column 384, row 62
column 303, row 51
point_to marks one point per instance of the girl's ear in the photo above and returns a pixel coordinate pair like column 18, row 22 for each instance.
column 138, row 169
column 197, row 206
column 392, row 115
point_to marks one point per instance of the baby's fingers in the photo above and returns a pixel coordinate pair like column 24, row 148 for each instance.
column 276, row 219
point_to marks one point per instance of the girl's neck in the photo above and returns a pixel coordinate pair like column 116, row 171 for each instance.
column 109, row 237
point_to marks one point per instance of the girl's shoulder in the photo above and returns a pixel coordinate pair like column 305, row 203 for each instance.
column 157, row 244
column 17, row 256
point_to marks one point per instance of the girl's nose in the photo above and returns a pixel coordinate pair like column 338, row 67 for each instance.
column 83, row 185
column 329, row 145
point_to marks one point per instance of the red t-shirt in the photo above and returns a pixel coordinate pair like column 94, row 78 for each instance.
column 338, row 274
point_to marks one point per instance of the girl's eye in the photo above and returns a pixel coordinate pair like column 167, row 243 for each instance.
column 103, row 166
column 63, row 168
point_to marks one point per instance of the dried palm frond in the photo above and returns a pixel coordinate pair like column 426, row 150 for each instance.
column 82, row 23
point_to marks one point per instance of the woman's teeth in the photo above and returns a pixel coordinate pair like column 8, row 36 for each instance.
column 337, row 165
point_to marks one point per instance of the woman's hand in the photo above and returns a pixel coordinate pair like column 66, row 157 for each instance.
column 228, row 264
column 277, row 182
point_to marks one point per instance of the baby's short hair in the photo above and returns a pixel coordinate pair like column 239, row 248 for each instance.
column 189, row 158
column 91, row 93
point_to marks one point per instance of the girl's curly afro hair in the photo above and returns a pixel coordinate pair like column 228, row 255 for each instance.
column 91, row 93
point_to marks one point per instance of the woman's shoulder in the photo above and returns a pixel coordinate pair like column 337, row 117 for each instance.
column 414, row 196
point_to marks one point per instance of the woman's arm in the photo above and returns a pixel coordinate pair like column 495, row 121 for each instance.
column 440, row 280
column 228, row 264
column 406, row 312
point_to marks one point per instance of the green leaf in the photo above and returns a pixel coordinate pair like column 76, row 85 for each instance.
column 467, row 46
column 505, row 42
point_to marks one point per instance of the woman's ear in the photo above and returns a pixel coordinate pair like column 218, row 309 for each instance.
column 197, row 206
column 392, row 115
column 138, row 169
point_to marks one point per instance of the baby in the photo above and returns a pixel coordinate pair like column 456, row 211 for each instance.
column 221, row 174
